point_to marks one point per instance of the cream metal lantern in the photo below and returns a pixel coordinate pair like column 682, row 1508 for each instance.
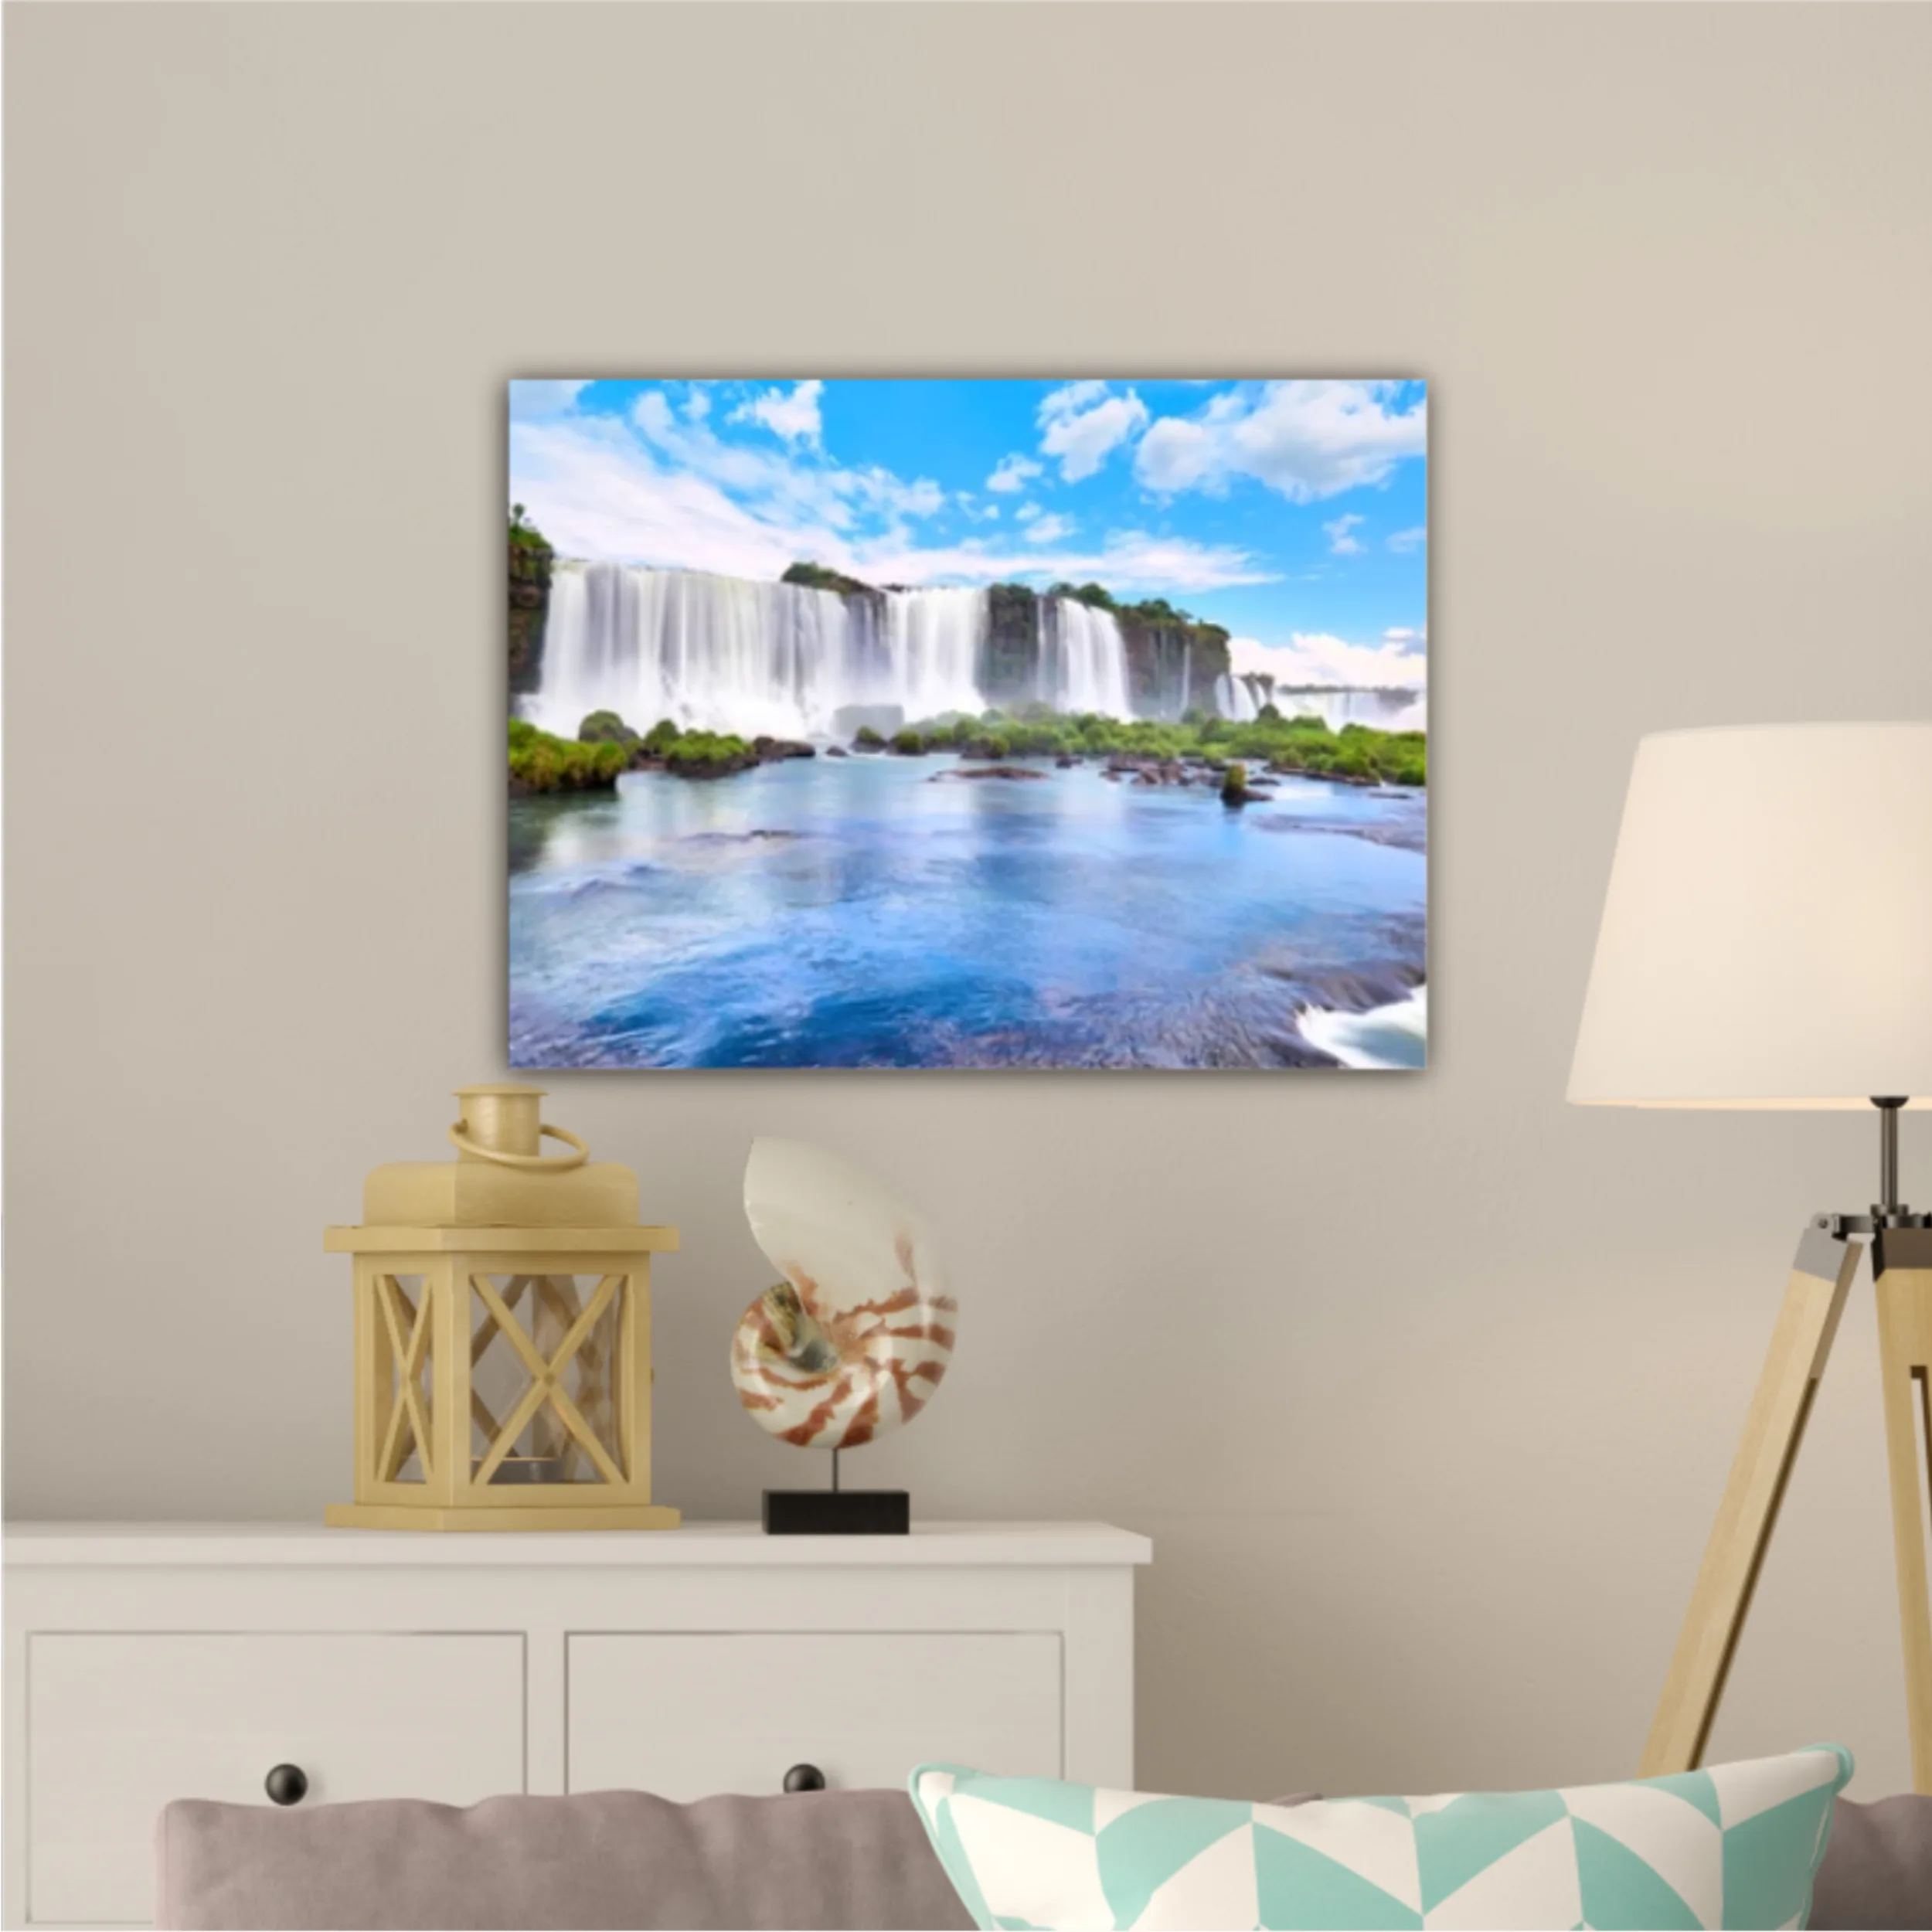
column 502, row 1334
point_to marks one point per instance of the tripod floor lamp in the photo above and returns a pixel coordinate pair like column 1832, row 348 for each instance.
column 1766, row 942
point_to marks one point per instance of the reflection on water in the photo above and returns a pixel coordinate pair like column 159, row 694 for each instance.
column 887, row 912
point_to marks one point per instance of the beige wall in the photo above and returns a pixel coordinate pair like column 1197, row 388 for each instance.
column 1424, row 1387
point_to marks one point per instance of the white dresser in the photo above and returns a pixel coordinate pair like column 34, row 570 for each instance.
column 150, row 1661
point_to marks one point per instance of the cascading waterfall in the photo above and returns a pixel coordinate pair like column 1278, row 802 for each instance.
column 1234, row 698
column 935, row 641
column 1241, row 696
column 728, row 653
column 731, row 654
column 1393, row 709
column 1082, row 659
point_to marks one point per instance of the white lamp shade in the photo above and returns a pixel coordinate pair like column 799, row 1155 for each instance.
column 1766, row 939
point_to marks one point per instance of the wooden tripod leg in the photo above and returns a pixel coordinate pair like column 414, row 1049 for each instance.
column 1820, row 1277
column 1902, row 1263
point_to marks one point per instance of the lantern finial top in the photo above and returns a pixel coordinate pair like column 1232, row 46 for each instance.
column 501, row 1119
column 500, row 1180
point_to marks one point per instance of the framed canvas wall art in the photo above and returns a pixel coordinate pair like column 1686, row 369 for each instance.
column 968, row 723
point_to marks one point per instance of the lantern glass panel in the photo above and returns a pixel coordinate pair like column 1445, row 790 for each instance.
column 567, row 1327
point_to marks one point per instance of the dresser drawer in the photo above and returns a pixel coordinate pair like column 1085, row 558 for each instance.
column 685, row 1715
column 117, row 1724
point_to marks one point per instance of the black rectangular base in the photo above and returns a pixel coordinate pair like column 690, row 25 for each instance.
column 838, row 1512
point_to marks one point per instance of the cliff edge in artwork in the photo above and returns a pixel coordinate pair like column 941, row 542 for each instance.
column 530, row 559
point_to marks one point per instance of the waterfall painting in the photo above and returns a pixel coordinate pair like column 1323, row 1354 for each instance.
column 968, row 723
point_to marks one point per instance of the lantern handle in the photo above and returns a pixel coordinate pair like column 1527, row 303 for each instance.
column 555, row 1163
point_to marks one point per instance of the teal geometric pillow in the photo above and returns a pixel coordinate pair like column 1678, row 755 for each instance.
column 1736, row 1845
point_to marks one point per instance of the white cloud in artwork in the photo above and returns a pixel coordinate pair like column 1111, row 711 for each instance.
column 1406, row 637
column 1049, row 530
column 1142, row 562
column 884, row 491
column 1129, row 560
column 769, row 480
column 595, row 492
column 1070, row 398
column 1026, row 512
column 1013, row 473
column 1081, row 423
column 791, row 413
column 656, row 488
column 1179, row 454
column 1342, row 541
column 530, row 400
column 1314, row 658
column 1412, row 539
column 1306, row 440
column 697, row 405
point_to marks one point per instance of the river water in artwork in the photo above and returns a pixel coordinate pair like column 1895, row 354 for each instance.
column 880, row 911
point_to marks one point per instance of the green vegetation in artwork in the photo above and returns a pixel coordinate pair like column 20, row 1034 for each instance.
column 606, row 728
column 1357, row 754
column 605, row 746
column 1154, row 612
column 708, row 754
column 539, row 762
column 524, row 534
column 816, row 576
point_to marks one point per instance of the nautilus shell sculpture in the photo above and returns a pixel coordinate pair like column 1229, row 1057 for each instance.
column 854, row 1339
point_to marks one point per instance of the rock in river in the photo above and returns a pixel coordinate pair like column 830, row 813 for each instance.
column 983, row 771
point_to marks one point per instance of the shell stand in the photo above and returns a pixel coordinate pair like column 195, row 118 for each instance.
column 836, row 1511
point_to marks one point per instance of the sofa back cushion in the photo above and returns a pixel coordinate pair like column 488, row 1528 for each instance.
column 1878, row 1868
column 619, row 1859
column 603, row 1858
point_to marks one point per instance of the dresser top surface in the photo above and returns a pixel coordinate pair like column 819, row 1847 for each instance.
column 695, row 1545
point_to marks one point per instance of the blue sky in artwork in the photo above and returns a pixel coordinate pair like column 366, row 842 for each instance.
column 1292, row 512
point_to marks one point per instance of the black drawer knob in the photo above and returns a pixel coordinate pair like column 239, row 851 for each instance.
column 286, row 1784
column 804, row 1778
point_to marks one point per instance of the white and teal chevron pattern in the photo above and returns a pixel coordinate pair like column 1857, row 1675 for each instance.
column 1736, row 1846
